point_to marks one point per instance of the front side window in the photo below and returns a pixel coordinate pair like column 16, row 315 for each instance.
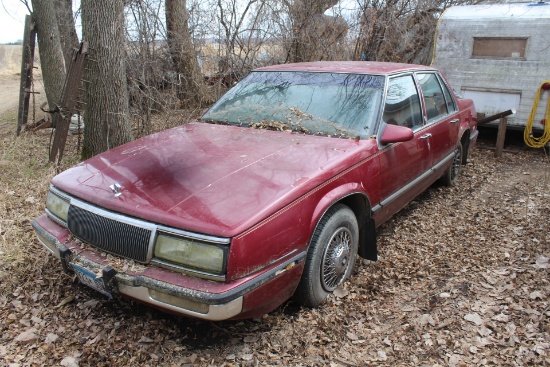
column 402, row 103
column 436, row 106
column 332, row 104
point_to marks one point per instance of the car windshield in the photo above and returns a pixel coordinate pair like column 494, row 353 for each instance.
column 332, row 104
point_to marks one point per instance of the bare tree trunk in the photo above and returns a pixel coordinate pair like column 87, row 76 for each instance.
column 180, row 43
column 49, row 48
column 106, row 96
column 312, row 31
column 67, row 30
column 392, row 30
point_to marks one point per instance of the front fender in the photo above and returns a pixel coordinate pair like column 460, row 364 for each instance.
column 332, row 197
column 354, row 196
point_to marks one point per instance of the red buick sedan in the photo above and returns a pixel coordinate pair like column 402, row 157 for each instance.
column 271, row 195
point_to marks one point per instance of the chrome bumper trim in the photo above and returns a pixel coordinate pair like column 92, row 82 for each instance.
column 215, row 312
column 212, row 298
column 47, row 240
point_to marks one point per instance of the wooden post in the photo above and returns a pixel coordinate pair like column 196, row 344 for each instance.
column 71, row 92
column 500, row 136
column 27, row 64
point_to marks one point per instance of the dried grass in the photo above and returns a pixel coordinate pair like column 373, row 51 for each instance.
column 10, row 60
column 9, row 57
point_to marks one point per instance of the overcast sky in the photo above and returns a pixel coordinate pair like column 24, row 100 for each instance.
column 12, row 20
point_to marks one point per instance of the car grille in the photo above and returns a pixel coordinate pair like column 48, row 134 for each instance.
column 108, row 234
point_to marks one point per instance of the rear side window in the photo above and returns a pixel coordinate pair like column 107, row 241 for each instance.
column 436, row 106
column 403, row 103
column 451, row 105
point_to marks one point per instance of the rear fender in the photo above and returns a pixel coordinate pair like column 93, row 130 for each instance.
column 468, row 115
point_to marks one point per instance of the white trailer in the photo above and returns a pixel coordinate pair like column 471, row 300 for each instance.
column 497, row 55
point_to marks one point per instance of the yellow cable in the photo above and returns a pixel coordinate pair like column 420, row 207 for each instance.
column 530, row 139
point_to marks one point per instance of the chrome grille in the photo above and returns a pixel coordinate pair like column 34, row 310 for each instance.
column 109, row 235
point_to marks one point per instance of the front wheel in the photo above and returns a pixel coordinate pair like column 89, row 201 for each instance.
column 331, row 256
column 451, row 175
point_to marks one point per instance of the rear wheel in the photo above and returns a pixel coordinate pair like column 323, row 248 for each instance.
column 331, row 256
column 451, row 175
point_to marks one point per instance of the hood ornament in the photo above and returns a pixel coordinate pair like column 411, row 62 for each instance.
column 116, row 189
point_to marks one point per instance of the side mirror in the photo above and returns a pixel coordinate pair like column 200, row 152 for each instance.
column 396, row 134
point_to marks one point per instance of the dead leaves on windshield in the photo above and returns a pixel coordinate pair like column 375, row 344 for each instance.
column 271, row 125
column 462, row 281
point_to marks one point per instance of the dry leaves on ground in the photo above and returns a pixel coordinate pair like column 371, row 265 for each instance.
column 462, row 280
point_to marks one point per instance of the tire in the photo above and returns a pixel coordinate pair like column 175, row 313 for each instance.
column 451, row 175
column 331, row 256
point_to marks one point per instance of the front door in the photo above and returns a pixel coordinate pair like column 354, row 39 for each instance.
column 402, row 165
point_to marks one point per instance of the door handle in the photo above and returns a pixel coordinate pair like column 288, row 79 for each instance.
column 426, row 136
column 454, row 121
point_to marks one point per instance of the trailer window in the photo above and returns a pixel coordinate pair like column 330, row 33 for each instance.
column 499, row 48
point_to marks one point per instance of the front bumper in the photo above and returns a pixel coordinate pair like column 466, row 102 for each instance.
column 151, row 287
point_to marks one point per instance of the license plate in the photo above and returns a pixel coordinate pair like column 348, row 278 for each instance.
column 89, row 278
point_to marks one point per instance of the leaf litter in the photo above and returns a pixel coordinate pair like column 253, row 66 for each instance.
column 462, row 280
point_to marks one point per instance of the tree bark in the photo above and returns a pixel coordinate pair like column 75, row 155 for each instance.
column 67, row 30
column 313, row 33
column 191, row 88
column 49, row 48
column 106, row 94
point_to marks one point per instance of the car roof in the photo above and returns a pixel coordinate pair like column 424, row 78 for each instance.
column 359, row 67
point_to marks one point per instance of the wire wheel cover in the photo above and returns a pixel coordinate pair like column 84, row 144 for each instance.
column 336, row 259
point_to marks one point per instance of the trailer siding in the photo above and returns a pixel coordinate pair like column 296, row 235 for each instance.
column 454, row 45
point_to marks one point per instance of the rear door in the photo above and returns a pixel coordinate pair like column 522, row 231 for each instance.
column 442, row 117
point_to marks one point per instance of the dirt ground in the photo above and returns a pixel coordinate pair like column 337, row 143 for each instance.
column 10, row 87
column 10, row 79
column 462, row 280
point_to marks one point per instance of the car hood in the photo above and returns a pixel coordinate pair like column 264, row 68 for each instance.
column 213, row 179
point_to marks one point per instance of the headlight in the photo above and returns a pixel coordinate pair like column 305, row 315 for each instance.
column 57, row 206
column 191, row 253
